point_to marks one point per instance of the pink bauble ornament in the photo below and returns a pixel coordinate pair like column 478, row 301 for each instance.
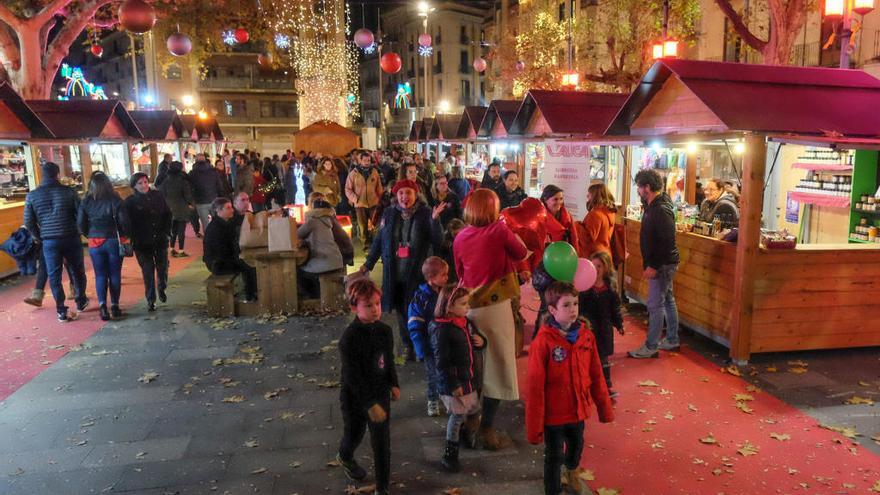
column 97, row 50
column 425, row 40
column 391, row 63
column 480, row 64
column 179, row 44
column 363, row 38
column 137, row 16
column 241, row 36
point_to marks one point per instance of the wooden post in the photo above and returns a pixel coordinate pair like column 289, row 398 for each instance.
column 154, row 161
column 690, row 181
column 85, row 161
column 751, row 205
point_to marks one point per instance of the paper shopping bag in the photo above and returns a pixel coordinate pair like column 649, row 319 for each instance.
column 282, row 234
column 254, row 231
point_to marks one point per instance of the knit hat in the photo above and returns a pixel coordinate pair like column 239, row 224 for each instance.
column 549, row 191
column 403, row 184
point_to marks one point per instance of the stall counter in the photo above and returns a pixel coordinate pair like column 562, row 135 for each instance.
column 11, row 218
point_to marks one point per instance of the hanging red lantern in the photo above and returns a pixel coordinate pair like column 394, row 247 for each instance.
column 480, row 64
column 97, row 50
column 241, row 36
column 425, row 40
column 137, row 16
column 363, row 38
column 391, row 63
column 179, row 44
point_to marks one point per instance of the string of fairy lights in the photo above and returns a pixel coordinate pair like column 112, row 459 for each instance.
column 316, row 34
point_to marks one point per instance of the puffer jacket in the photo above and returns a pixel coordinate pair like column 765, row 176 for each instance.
column 50, row 211
column 103, row 218
column 178, row 194
column 421, row 314
column 150, row 219
column 657, row 236
column 363, row 193
column 329, row 245
column 207, row 185
column 458, row 365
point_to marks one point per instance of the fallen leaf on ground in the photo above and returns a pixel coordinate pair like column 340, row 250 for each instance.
column 799, row 363
column 742, row 397
column 658, row 445
column 587, row 475
column 752, row 388
column 273, row 394
column 742, row 406
column 649, row 383
column 771, row 369
column 329, row 384
column 709, row 440
column 148, row 377
column 104, row 352
column 856, row 400
column 692, row 407
column 607, row 491
column 669, row 416
column 279, row 331
column 843, row 430
column 259, row 470
column 295, row 464
column 333, row 463
column 234, row 399
column 780, row 436
column 252, row 443
column 353, row 490
column 747, row 450
column 452, row 491
column 732, row 369
column 863, row 383
column 876, row 487
column 663, row 391
column 797, row 370
column 876, row 439
column 140, row 455
column 18, row 472
column 704, row 379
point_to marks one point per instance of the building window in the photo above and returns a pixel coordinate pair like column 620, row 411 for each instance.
column 439, row 62
column 561, row 11
column 173, row 72
column 277, row 109
column 465, row 92
column 265, row 109
column 439, row 35
column 465, row 63
column 464, row 37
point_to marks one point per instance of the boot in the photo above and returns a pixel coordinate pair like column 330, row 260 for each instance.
column 468, row 435
column 450, row 457
column 488, row 436
column 36, row 298
column 105, row 315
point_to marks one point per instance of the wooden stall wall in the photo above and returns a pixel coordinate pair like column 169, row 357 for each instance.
column 703, row 285
column 816, row 299
column 11, row 218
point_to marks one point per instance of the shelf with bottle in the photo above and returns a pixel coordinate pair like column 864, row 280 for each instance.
column 827, row 184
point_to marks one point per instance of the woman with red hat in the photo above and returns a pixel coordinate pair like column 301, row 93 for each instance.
column 408, row 232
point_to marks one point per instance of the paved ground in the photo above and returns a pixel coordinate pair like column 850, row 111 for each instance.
column 250, row 406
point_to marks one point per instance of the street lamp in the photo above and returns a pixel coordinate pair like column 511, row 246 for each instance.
column 187, row 100
column 570, row 80
column 424, row 9
column 842, row 10
column 444, row 106
column 665, row 47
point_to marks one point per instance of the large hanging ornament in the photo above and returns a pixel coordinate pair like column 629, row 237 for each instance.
column 363, row 38
column 264, row 59
column 480, row 64
column 179, row 44
column 97, row 50
column 425, row 39
column 391, row 63
column 520, row 66
column 242, row 36
column 137, row 16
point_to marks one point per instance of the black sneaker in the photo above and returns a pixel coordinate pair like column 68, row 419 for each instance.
column 82, row 307
column 115, row 311
column 352, row 469
column 151, row 306
column 65, row 316
column 162, row 297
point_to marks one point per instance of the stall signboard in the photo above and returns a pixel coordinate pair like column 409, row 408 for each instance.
column 792, row 209
column 567, row 165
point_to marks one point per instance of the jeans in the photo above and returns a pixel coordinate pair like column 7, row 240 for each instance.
column 432, row 376
column 178, row 233
column 362, row 216
column 204, row 212
column 42, row 276
column 237, row 266
column 661, row 305
column 194, row 220
column 355, row 421
column 453, row 427
column 154, row 268
column 563, row 444
column 57, row 253
column 107, row 265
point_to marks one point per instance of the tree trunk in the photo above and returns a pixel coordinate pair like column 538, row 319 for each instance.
column 31, row 81
column 786, row 22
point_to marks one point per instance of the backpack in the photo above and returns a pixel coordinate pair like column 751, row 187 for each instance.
column 618, row 244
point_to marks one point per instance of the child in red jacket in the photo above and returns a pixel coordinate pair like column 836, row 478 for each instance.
column 565, row 379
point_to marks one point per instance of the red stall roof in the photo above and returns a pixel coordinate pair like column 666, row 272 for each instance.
column 505, row 110
column 470, row 122
column 427, row 123
column 86, row 119
column 414, row 131
column 17, row 119
column 445, row 127
column 764, row 98
column 158, row 125
column 568, row 112
column 201, row 129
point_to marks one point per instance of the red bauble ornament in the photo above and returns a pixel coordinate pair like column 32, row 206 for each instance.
column 264, row 59
column 363, row 38
column 528, row 220
column 137, row 16
column 97, row 50
column 179, row 44
column 425, row 40
column 480, row 64
column 242, row 36
column 391, row 63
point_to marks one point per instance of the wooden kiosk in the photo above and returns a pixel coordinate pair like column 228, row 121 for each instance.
column 159, row 128
column 752, row 299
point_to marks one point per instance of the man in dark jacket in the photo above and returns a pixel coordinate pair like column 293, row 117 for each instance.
column 660, row 261
column 492, row 177
column 221, row 247
column 150, row 220
column 50, row 216
column 207, row 187
column 162, row 172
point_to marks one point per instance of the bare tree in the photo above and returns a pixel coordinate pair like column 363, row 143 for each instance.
column 787, row 18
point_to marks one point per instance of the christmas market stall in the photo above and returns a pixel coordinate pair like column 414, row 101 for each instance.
column 202, row 134
column 495, row 131
column 468, row 126
column 18, row 126
column 778, row 271
column 443, row 133
column 162, row 131
column 326, row 137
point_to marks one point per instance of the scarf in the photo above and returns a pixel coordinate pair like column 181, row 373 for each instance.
column 406, row 213
column 459, row 321
column 571, row 333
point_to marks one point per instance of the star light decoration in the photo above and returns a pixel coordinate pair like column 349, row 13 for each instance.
column 426, row 51
column 228, row 37
column 370, row 49
column 282, row 41
column 325, row 63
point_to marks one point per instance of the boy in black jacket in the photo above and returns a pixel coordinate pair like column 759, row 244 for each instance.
column 369, row 384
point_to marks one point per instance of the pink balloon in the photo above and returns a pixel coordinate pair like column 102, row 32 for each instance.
column 585, row 276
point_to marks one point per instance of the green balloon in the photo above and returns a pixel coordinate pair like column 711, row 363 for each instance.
column 561, row 261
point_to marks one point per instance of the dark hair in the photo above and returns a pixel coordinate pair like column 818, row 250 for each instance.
column 135, row 177
column 448, row 295
column 175, row 166
column 508, row 173
column 217, row 204
column 100, row 187
column 50, row 169
column 364, row 154
column 549, row 191
column 556, row 290
column 401, row 172
column 493, row 164
column 362, row 288
column 649, row 177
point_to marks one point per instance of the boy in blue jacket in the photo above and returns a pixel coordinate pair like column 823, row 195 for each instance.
column 421, row 312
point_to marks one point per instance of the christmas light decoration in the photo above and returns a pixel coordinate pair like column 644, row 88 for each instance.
column 137, row 16
column 370, row 49
column 242, row 36
column 228, row 37
column 480, row 64
column 78, row 87
column 97, row 50
column 425, row 39
column 282, row 41
column 426, row 51
column 402, row 99
column 363, row 38
column 391, row 63
column 179, row 44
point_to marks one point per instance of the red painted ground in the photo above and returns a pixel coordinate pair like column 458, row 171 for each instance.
column 31, row 339
column 654, row 444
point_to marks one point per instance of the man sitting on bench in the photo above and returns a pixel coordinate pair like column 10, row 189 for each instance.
column 221, row 248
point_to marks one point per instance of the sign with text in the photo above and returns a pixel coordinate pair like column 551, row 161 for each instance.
column 567, row 165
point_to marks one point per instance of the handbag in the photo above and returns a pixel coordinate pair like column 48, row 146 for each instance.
column 126, row 250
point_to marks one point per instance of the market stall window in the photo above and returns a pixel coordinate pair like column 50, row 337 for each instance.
column 111, row 159
column 13, row 173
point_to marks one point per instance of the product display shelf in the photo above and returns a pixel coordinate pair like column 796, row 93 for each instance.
column 821, row 199
column 864, row 182
column 829, row 167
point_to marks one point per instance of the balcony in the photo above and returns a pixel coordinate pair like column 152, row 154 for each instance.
column 246, row 82
column 465, row 69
